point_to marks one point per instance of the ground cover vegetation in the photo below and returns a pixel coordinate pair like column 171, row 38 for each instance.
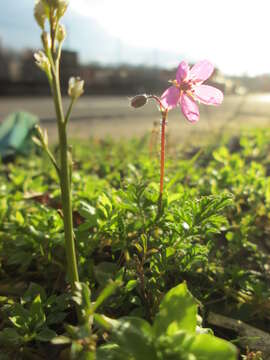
column 212, row 236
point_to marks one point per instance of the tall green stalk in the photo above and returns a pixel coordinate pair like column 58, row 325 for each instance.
column 65, row 182
column 49, row 62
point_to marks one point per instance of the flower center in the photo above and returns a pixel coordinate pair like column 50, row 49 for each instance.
column 185, row 85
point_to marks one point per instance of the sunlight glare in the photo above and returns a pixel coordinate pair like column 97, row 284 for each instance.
column 230, row 33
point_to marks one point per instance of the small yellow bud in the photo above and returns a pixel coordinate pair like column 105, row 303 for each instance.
column 59, row 5
column 46, row 40
column 42, row 137
column 75, row 87
column 62, row 6
column 42, row 62
column 40, row 13
column 61, row 33
column 138, row 101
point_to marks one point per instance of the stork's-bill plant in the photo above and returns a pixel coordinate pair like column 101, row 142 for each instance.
column 185, row 90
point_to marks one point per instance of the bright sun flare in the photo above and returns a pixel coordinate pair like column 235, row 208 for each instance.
column 230, row 33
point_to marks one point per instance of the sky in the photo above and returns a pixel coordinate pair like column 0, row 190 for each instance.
column 233, row 34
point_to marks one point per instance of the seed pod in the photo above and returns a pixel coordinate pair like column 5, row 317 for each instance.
column 138, row 101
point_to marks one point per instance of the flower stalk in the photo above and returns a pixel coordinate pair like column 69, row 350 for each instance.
column 49, row 62
column 139, row 101
column 65, row 182
column 162, row 157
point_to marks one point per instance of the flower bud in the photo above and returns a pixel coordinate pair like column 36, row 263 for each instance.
column 40, row 13
column 61, row 33
column 75, row 87
column 42, row 137
column 61, row 7
column 138, row 101
column 46, row 40
column 42, row 62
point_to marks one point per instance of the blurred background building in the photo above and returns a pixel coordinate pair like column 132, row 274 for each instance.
column 19, row 75
column 118, row 51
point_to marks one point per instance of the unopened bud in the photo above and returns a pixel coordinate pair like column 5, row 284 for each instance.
column 62, row 6
column 42, row 61
column 138, row 101
column 59, row 5
column 46, row 40
column 61, row 33
column 75, row 87
column 42, row 137
column 40, row 13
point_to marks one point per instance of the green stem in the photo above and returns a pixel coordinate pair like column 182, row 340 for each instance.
column 51, row 157
column 69, row 110
column 65, row 182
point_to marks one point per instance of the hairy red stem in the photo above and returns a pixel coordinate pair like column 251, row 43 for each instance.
column 162, row 157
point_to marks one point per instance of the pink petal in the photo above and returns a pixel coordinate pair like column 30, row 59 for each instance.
column 189, row 108
column 170, row 97
column 182, row 71
column 202, row 70
column 208, row 95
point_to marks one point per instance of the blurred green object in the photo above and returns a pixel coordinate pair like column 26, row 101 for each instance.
column 16, row 134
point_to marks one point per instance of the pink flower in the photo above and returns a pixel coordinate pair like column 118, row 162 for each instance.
column 187, row 88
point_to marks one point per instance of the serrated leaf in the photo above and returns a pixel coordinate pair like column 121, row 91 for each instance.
column 87, row 211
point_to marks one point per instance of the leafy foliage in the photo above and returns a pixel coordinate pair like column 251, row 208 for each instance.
column 212, row 233
column 172, row 336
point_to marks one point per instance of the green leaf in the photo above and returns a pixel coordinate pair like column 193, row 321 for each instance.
column 56, row 318
column 19, row 218
column 175, row 346
column 88, row 212
column 151, row 192
column 105, row 271
column 10, row 337
column 37, row 314
column 111, row 352
column 208, row 347
column 46, row 335
column 20, row 317
column 135, row 337
column 32, row 292
column 105, row 293
column 177, row 311
column 131, row 285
